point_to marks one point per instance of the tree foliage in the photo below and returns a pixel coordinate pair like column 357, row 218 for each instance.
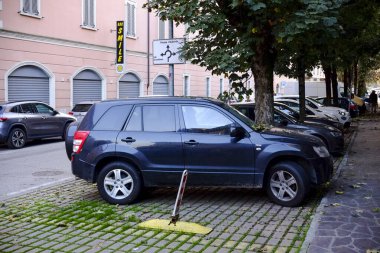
column 238, row 37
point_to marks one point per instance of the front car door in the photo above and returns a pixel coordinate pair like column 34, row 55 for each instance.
column 48, row 125
column 212, row 156
column 152, row 138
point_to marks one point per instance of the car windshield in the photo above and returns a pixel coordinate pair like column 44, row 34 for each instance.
column 239, row 115
column 315, row 101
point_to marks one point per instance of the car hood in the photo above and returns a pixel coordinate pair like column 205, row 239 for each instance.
column 290, row 136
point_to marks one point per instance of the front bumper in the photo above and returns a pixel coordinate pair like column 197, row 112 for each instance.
column 323, row 168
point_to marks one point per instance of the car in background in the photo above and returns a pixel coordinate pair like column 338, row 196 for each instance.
column 331, row 136
column 343, row 103
column 294, row 112
column 80, row 109
column 27, row 120
column 294, row 104
column 341, row 114
column 125, row 145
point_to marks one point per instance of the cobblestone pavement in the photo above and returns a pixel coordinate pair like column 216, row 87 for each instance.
column 348, row 219
column 71, row 217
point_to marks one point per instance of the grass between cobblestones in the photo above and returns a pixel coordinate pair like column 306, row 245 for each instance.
column 56, row 220
column 71, row 217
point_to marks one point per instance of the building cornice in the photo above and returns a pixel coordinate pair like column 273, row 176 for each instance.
column 62, row 42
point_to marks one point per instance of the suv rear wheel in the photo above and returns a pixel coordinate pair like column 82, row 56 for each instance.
column 17, row 138
column 119, row 183
column 287, row 184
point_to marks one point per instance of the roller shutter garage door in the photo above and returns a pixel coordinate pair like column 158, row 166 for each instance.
column 28, row 83
column 129, row 86
column 160, row 86
column 87, row 86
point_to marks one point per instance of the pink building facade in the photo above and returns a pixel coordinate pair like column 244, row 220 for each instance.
column 65, row 52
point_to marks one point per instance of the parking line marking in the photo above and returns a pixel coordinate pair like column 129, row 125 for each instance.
column 38, row 186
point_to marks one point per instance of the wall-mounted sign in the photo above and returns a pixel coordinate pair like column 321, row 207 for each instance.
column 120, row 47
column 168, row 51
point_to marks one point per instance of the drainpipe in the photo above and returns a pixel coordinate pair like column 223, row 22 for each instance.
column 148, row 51
column 171, row 66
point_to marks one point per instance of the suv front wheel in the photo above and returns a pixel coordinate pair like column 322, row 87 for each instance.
column 119, row 183
column 287, row 184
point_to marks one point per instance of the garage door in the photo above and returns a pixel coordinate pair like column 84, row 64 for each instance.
column 28, row 83
column 87, row 86
column 160, row 86
column 129, row 86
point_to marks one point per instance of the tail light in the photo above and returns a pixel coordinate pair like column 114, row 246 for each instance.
column 79, row 139
column 2, row 119
column 70, row 113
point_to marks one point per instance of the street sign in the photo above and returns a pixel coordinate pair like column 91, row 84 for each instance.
column 168, row 51
column 120, row 46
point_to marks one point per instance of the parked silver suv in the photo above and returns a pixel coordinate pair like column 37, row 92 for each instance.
column 27, row 120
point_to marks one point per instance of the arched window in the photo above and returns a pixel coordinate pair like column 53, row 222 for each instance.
column 129, row 86
column 87, row 86
column 161, row 86
column 28, row 83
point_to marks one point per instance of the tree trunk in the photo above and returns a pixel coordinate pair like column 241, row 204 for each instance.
column 355, row 78
column 327, row 71
column 262, row 68
column 301, row 85
column 334, row 82
column 346, row 78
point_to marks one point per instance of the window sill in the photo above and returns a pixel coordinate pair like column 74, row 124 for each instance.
column 134, row 37
column 30, row 15
column 89, row 28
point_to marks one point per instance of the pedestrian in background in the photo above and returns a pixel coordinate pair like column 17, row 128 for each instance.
column 373, row 101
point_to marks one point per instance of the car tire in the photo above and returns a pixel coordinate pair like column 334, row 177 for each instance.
column 119, row 183
column 287, row 184
column 16, row 138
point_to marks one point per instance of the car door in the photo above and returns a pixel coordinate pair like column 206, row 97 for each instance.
column 48, row 124
column 212, row 156
column 30, row 119
column 151, row 138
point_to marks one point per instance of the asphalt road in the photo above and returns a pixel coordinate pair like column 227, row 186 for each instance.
column 38, row 164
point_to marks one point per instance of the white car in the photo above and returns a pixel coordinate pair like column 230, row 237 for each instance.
column 341, row 114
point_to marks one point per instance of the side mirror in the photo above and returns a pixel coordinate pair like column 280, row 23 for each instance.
column 237, row 131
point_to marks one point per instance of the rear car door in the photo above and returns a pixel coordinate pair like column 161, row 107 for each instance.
column 152, row 140
column 212, row 156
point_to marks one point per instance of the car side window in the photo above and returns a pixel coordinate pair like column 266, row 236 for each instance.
column 149, row 118
column 43, row 109
column 199, row 119
column 117, row 115
column 277, row 118
column 15, row 109
column 28, row 108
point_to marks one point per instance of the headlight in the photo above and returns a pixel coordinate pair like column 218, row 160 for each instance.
column 336, row 134
column 321, row 151
column 342, row 113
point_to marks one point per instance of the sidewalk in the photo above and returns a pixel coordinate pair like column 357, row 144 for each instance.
column 348, row 218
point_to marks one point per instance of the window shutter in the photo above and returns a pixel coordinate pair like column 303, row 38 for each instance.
column 91, row 14
column 34, row 9
column 133, row 20
column 26, row 6
column 85, row 12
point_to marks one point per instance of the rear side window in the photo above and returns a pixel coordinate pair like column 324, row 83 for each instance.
column 157, row 118
column 114, row 118
column 81, row 107
column 28, row 108
column 15, row 109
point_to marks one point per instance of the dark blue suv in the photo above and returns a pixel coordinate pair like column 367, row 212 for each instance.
column 125, row 145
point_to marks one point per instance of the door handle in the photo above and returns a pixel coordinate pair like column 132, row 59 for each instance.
column 191, row 142
column 128, row 140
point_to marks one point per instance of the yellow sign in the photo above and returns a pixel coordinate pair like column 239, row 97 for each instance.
column 120, row 40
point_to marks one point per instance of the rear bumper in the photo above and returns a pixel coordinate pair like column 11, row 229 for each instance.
column 82, row 169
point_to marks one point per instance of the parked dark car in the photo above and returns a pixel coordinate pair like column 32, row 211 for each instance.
column 28, row 120
column 343, row 102
column 124, row 145
column 331, row 136
column 309, row 117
